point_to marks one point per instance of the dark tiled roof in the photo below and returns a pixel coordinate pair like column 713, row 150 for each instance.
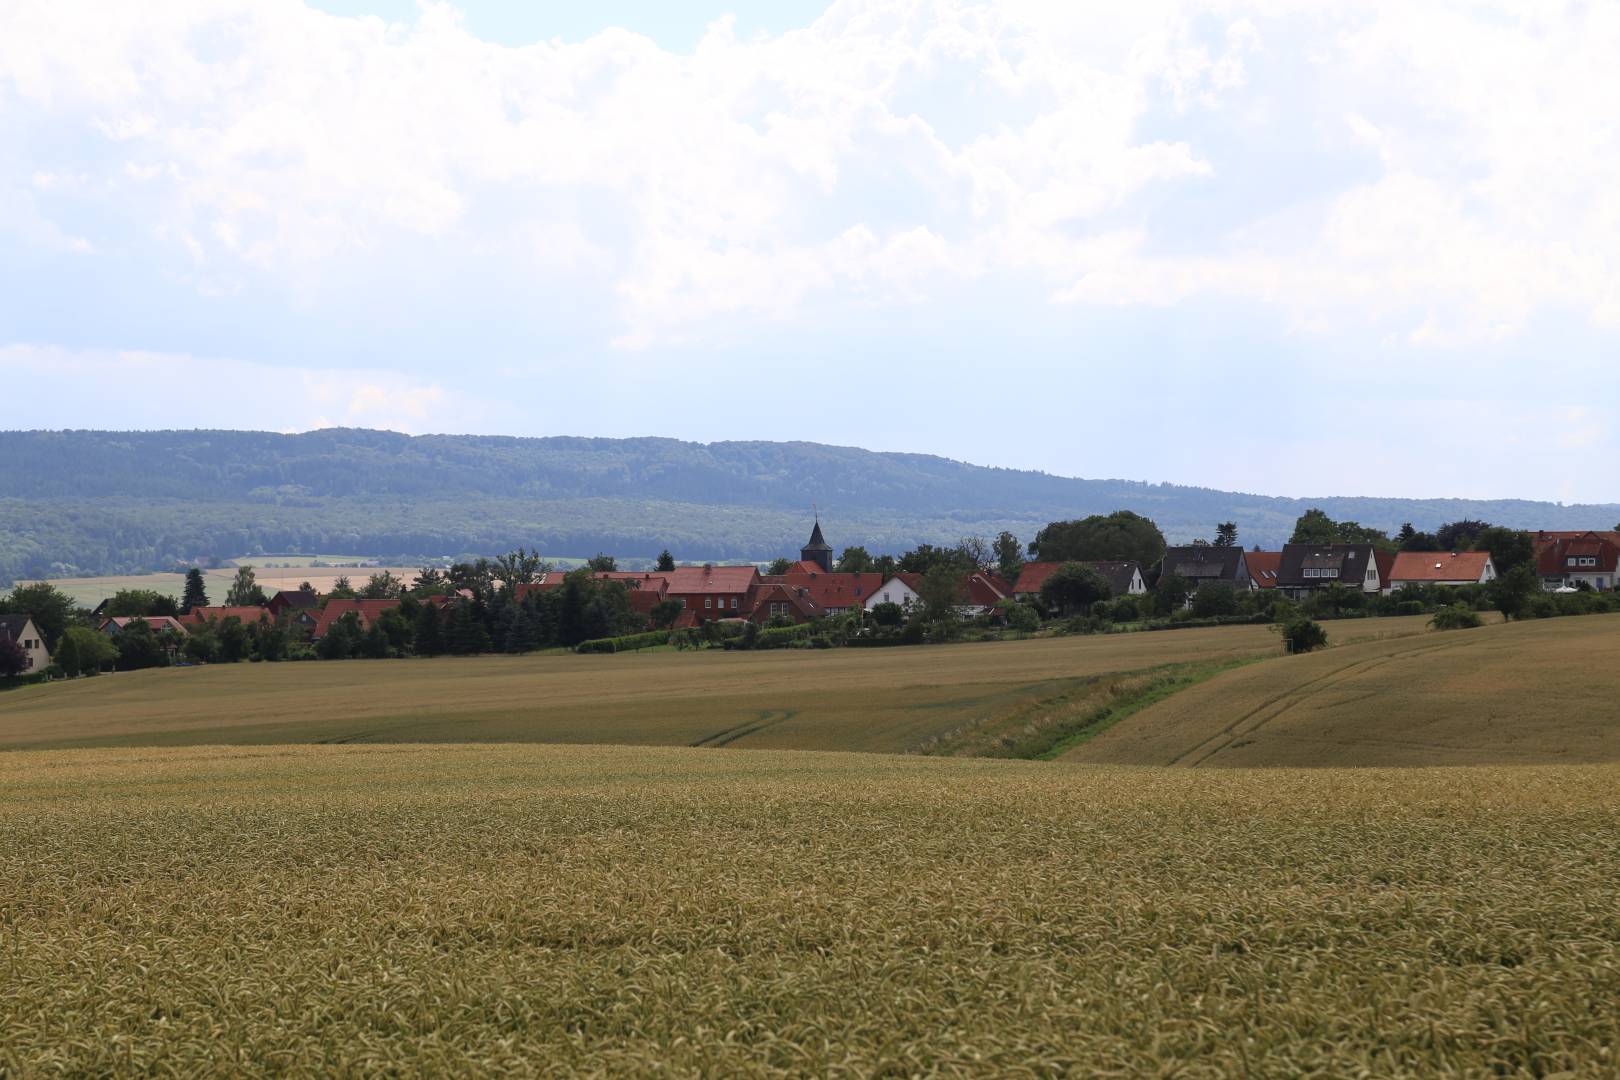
column 1206, row 562
column 1350, row 560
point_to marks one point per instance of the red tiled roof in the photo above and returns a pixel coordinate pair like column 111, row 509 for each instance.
column 831, row 591
column 777, row 592
column 1034, row 575
column 364, row 610
column 1386, row 566
column 158, row 623
column 247, row 613
column 1438, row 566
column 982, row 590
column 698, row 580
column 1552, row 557
column 1263, row 566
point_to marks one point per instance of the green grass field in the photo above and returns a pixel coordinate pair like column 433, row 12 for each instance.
column 521, row 909
column 895, row 700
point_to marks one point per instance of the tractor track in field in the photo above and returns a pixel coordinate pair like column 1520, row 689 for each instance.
column 1234, row 731
column 727, row 736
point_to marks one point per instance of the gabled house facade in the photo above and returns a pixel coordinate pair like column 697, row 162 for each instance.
column 900, row 588
column 21, row 629
column 1439, row 568
column 292, row 600
column 832, row 594
column 1568, row 560
column 779, row 600
column 1305, row 568
column 1263, row 566
column 714, row 592
column 364, row 611
column 201, row 616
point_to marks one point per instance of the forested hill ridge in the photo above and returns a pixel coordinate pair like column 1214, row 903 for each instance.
column 87, row 502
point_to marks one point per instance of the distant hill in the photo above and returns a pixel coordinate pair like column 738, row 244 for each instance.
column 94, row 502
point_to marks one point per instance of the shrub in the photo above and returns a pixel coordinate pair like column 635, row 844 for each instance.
column 1301, row 635
column 1125, row 609
column 778, row 637
column 1212, row 600
column 1023, row 618
column 1409, row 607
column 887, row 614
column 626, row 643
column 1455, row 617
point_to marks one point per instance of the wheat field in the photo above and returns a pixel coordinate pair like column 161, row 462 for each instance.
column 632, row 911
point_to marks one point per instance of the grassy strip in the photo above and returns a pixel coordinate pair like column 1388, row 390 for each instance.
column 1128, row 697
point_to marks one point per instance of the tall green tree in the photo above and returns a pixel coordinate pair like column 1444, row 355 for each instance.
column 1315, row 527
column 1122, row 535
column 51, row 609
column 196, row 595
column 127, row 602
column 854, row 560
column 83, row 651
column 244, row 591
column 1009, row 556
column 429, row 637
column 1226, row 534
column 383, row 586
column 941, row 592
column 1074, row 587
column 520, row 567
column 666, row 561
column 1509, row 548
column 1459, row 535
column 600, row 563
column 778, row 567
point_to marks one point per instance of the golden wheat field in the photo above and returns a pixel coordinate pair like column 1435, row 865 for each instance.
column 90, row 591
column 890, row 700
column 524, row 909
column 1532, row 692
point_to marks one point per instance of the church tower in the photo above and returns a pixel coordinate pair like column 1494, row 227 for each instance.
column 817, row 550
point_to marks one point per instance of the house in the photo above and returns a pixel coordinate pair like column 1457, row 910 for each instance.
column 293, row 600
column 832, row 594
column 159, row 623
column 1305, row 568
column 365, row 611
column 21, row 629
column 1439, row 568
column 1263, row 566
column 202, row 616
column 981, row 593
column 714, row 592
column 778, row 599
column 1124, row 578
column 901, row 589
column 1209, row 564
column 1566, row 559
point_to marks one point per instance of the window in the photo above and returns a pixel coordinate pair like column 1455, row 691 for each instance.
column 1571, row 561
column 733, row 603
column 708, row 601
column 1312, row 573
column 1330, row 573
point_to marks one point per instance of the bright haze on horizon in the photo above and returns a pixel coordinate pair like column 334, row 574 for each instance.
column 1298, row 248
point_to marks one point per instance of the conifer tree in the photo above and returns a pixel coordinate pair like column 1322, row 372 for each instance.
column 196, row 596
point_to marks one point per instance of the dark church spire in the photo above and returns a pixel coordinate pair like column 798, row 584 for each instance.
column 817, row 550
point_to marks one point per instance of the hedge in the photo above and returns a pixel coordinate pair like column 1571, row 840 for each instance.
column 627, row 643
column 783, row 636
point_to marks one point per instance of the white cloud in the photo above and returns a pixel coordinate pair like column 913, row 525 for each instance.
column 53, row 385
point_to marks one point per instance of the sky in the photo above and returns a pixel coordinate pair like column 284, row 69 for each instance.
column 1296, row 248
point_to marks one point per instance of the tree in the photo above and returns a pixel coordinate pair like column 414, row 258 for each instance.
column 885, row 566
column 1315, row 527
column 1009, row 556
column 244, row 591
column 196, row 595
column 778, row 567
column 1121, row 535
column 1226, row 534
column 138, row 647
column 976, row 552
column 1459, row 535
column 523, row 633
column 940, row 591
column 1410, row 539
column 602, row 563
column 666, row 561
column 1509, row 548
column 383, row 586
column 51, row 609
column 520, row 567
column 665, row 612
column 854, row 560
column 429, row 582
column 131, row 602
column 1214, row 599
column 1301, row 635
column 83, row 651
column 342, row 590
column 13, row 660
column 342, row 639
column 466, row 635
column 1510, row 593
column 1170, row 593
column 429, row 641
column 925, row 557
column 1074, row 587
column 1023, row 618
column 888, row 614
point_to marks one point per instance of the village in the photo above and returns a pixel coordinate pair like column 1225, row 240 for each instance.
column 519, row 603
